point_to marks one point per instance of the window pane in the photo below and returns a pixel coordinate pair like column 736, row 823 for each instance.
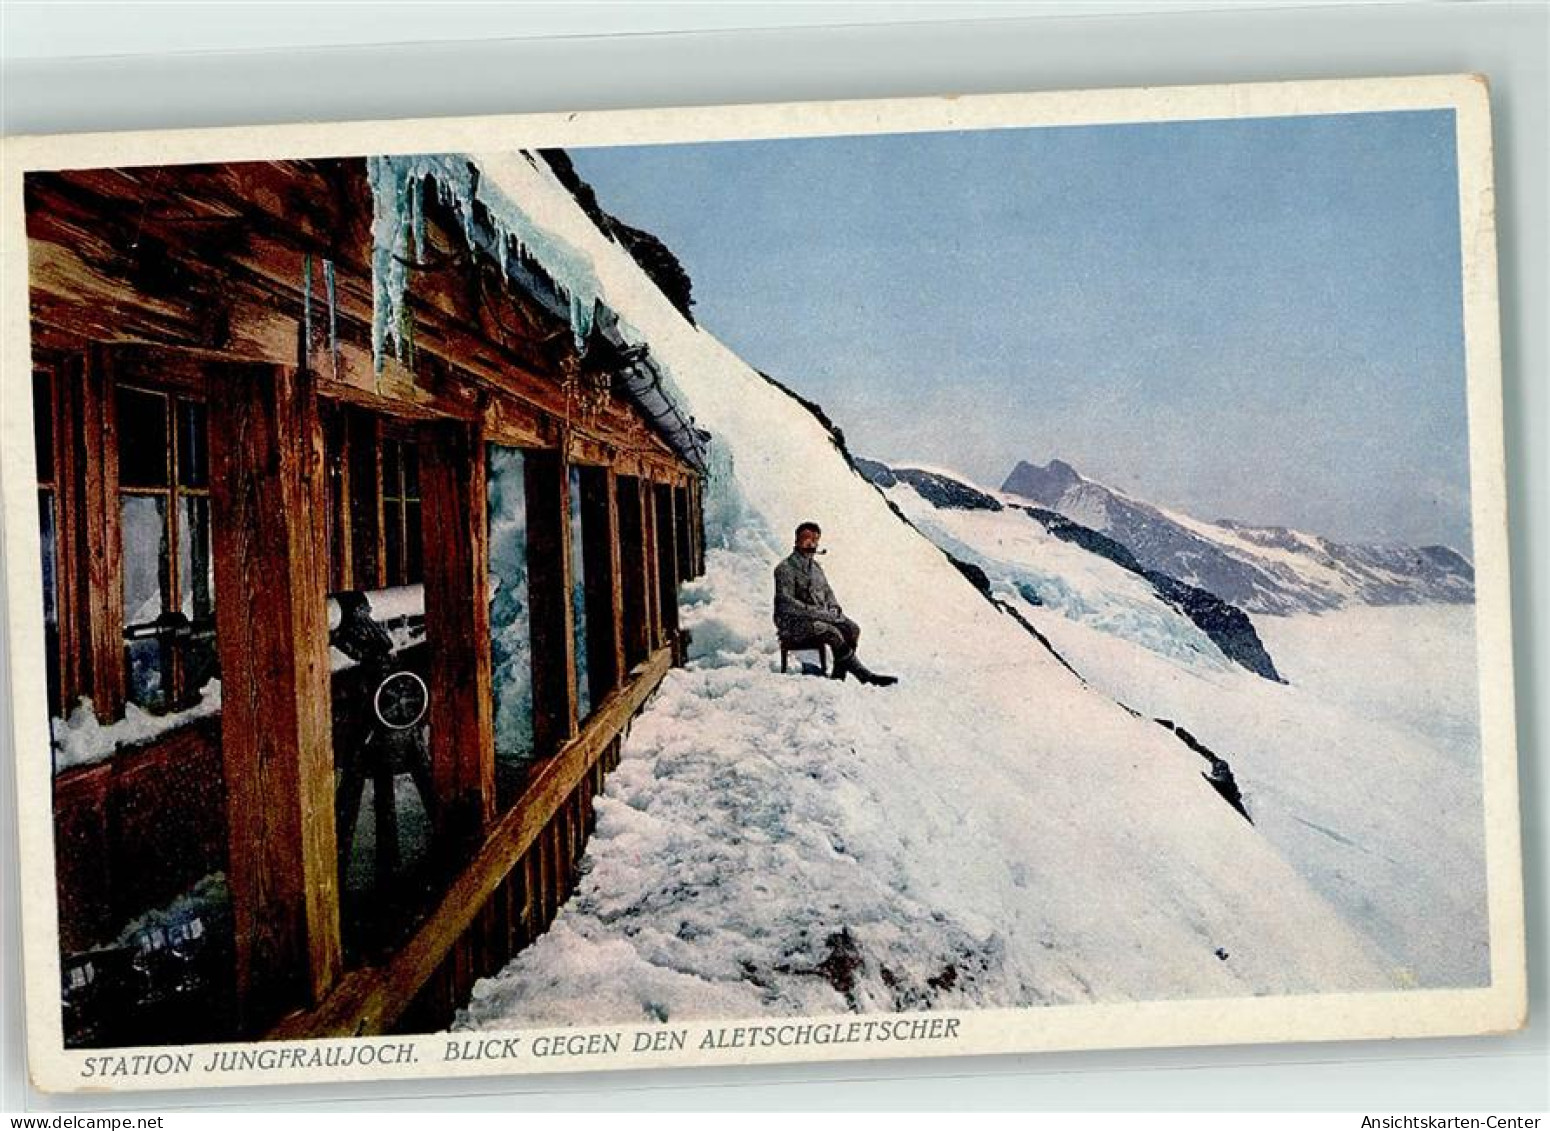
column 144, row 524
column 142, row 439
column 578, row 596
column 47, row 538
column 43, row 425
column 143, row 663
column 143, row 521
column 193, row 450
column 510, row 619
column 196, row 566
column 393, row 540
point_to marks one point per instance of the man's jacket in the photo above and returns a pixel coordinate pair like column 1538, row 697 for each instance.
column 802, row 595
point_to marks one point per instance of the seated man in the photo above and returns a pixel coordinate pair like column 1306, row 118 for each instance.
column 806, row 613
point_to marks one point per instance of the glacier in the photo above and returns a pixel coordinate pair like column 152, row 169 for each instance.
column 1364, row 769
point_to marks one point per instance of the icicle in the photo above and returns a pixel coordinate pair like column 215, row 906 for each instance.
column 306, row 307
column 333, row 315
column 387, row 277
column 417, row 217
column 398, row 221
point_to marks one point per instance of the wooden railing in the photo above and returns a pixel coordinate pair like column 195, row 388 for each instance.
column 505, row 897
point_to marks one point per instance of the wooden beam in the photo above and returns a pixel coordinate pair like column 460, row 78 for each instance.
column 370, row 1001
column 605, row 668
column 615, row 575
column 667, row 562
column 697, row 524
column 68, row 558
column 268, row 499
column 102, row 611
column 547, row 482
column 648, row 526
column 364, row 434
column 457, row 627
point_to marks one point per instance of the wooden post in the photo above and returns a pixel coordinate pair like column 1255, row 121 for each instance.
column 336, row 440
column 364, row 443
column 648, row 528
column 616, row 566
column 697, row 526
column 457, row 627
column 603, row 662
column 67, row 530
column 547, row 481
column 102, row 612
column 667, row 563
column 268, row 498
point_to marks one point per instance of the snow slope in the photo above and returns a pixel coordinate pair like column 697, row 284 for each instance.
column 1364, row 769
column 992, row 831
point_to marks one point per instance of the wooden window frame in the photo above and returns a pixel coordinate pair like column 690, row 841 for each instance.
column 178, row 695
column 401, row 434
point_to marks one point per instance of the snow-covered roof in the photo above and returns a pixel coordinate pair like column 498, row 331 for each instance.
column 490, row 206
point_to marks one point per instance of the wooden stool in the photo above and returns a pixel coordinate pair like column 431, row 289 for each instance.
column 786, row 648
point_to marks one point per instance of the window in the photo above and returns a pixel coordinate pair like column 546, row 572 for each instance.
column 401, row 551
column 168, row 578
column 511, row 622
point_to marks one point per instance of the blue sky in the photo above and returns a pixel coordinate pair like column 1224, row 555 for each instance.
column 1258, row 319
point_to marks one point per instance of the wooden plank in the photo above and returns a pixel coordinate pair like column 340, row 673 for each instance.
column 667, row 563
column 529, row 872
column 605, row 661
column 368, row 569
column 102, row 610
column 336, row 438
column 68, row 557
column 457, row 627
column 648, row 525
column 371, row 1000
column 267, row 509
column 697, row 524
column 547, row 483
column 615, row 576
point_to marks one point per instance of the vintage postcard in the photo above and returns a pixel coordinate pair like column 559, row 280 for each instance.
column 760, row 584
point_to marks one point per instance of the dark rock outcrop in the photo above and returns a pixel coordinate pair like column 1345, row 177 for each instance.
column 1219, row 775
column 942, row 491
column 654, row 256
column 1229, row 627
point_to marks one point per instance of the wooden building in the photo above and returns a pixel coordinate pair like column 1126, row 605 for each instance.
column 232, row 479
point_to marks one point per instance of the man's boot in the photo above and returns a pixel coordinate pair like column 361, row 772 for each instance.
column 842, row 667
column 866, row 675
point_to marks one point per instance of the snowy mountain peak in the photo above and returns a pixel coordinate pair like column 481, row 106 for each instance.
column 1259, row 568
